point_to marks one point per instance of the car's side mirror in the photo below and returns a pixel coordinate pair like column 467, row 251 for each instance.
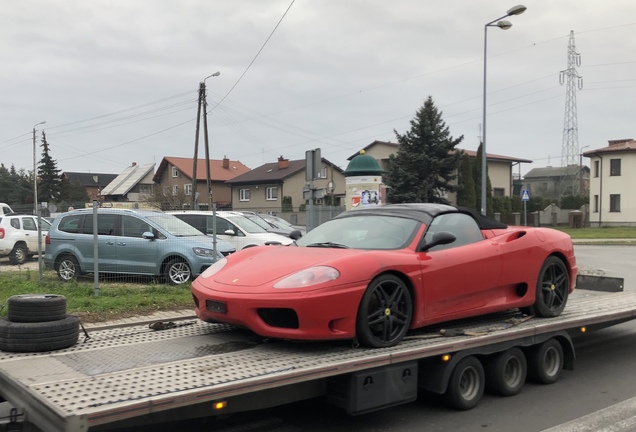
column 295, row 234
column 148, row 235
column 229, row 232
column 440, row 238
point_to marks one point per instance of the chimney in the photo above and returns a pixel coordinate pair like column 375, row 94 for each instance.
column 283, row 163
column 134, row 164
column 226, row 162
column 620, row 141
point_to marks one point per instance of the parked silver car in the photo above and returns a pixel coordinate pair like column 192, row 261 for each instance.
column 141, row 242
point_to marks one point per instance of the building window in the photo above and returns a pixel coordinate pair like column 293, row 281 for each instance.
column 175, row 190
column 188, row 189
column 271, row 193
column 323, row 173
column 244, row 195
column 595, row 203
column 145, row 188
column 615, row 203
column 615, row 167
column 498, row 192
column 175, row 172
column 596, row 168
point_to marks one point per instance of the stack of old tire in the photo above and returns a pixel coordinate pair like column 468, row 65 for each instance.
column 37, row 323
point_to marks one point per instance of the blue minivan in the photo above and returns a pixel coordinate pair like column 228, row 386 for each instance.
column 137, row 242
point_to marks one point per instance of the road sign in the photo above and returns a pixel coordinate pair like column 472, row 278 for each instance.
column 525, row 195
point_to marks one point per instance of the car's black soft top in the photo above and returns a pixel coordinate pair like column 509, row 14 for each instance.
column 423, row 212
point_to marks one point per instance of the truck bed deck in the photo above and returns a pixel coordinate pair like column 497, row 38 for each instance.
column 132, row 371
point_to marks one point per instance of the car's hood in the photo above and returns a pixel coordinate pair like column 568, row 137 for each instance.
column 262, row 238
column 262, row 266
column 206, row 242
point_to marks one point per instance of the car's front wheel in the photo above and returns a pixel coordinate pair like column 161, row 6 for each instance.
column 553, row 287
column 18, row 255
column 68, row 268
column 385, row 312
column 177, row 272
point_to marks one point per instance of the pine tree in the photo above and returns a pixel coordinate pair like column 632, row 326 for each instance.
column 49, row 186
column 426, row 160
column 477, row 181
column 466, row 184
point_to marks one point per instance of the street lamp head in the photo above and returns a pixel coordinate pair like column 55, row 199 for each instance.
column 504, row 25
column 215, row 74
column 517, row 10
column 38, row 124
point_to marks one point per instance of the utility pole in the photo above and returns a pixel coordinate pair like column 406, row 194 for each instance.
column 570, row 143
column 202, row 103
column 196, row 148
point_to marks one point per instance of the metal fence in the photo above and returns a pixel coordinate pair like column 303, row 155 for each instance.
column 135, row 270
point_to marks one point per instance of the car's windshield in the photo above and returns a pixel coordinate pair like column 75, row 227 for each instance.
column 258, row 221
column 173, row 225
column 247, row 225
column 362, row 232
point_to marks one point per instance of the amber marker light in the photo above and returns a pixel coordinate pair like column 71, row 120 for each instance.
column 583, row 329
column 220, row 405
column 446, row 357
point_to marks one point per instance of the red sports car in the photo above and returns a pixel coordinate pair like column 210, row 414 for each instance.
column 373, row 273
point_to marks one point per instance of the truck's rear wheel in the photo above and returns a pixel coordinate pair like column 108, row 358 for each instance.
column 506, row 372
column 466, row 384
column 545, row 362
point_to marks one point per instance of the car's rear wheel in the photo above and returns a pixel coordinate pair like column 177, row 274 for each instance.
column 385, row 312
column 19, row 254
column 553, row 287
column 68, row 268
column 177, row 272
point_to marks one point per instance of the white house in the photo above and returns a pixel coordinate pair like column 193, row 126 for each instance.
column 612, row 193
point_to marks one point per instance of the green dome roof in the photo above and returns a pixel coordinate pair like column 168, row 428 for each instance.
column 363, row 164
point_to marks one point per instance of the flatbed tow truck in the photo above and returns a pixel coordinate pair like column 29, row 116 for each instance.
column 134, row 375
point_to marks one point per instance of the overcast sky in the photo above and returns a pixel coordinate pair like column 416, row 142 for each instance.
column 117, row 81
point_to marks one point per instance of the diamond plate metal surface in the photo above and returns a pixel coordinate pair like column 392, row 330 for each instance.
column 135, row 370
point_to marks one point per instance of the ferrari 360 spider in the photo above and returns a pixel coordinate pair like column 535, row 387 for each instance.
column 375, row 272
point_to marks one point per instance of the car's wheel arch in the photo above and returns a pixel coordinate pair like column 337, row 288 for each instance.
column 63, row 254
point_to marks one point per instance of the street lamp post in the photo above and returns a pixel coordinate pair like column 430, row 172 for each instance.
column 504, row 25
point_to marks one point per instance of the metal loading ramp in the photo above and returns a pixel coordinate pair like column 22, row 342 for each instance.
column 132, row 371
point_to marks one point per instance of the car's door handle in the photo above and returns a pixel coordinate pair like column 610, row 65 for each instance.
column 110, row 243
column 121, row 244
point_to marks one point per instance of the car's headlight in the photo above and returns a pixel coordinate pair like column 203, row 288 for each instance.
column 308, row 277
column 204, row 252
column 214, row 268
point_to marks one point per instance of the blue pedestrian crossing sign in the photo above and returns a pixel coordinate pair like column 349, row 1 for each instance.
column 525, row 195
